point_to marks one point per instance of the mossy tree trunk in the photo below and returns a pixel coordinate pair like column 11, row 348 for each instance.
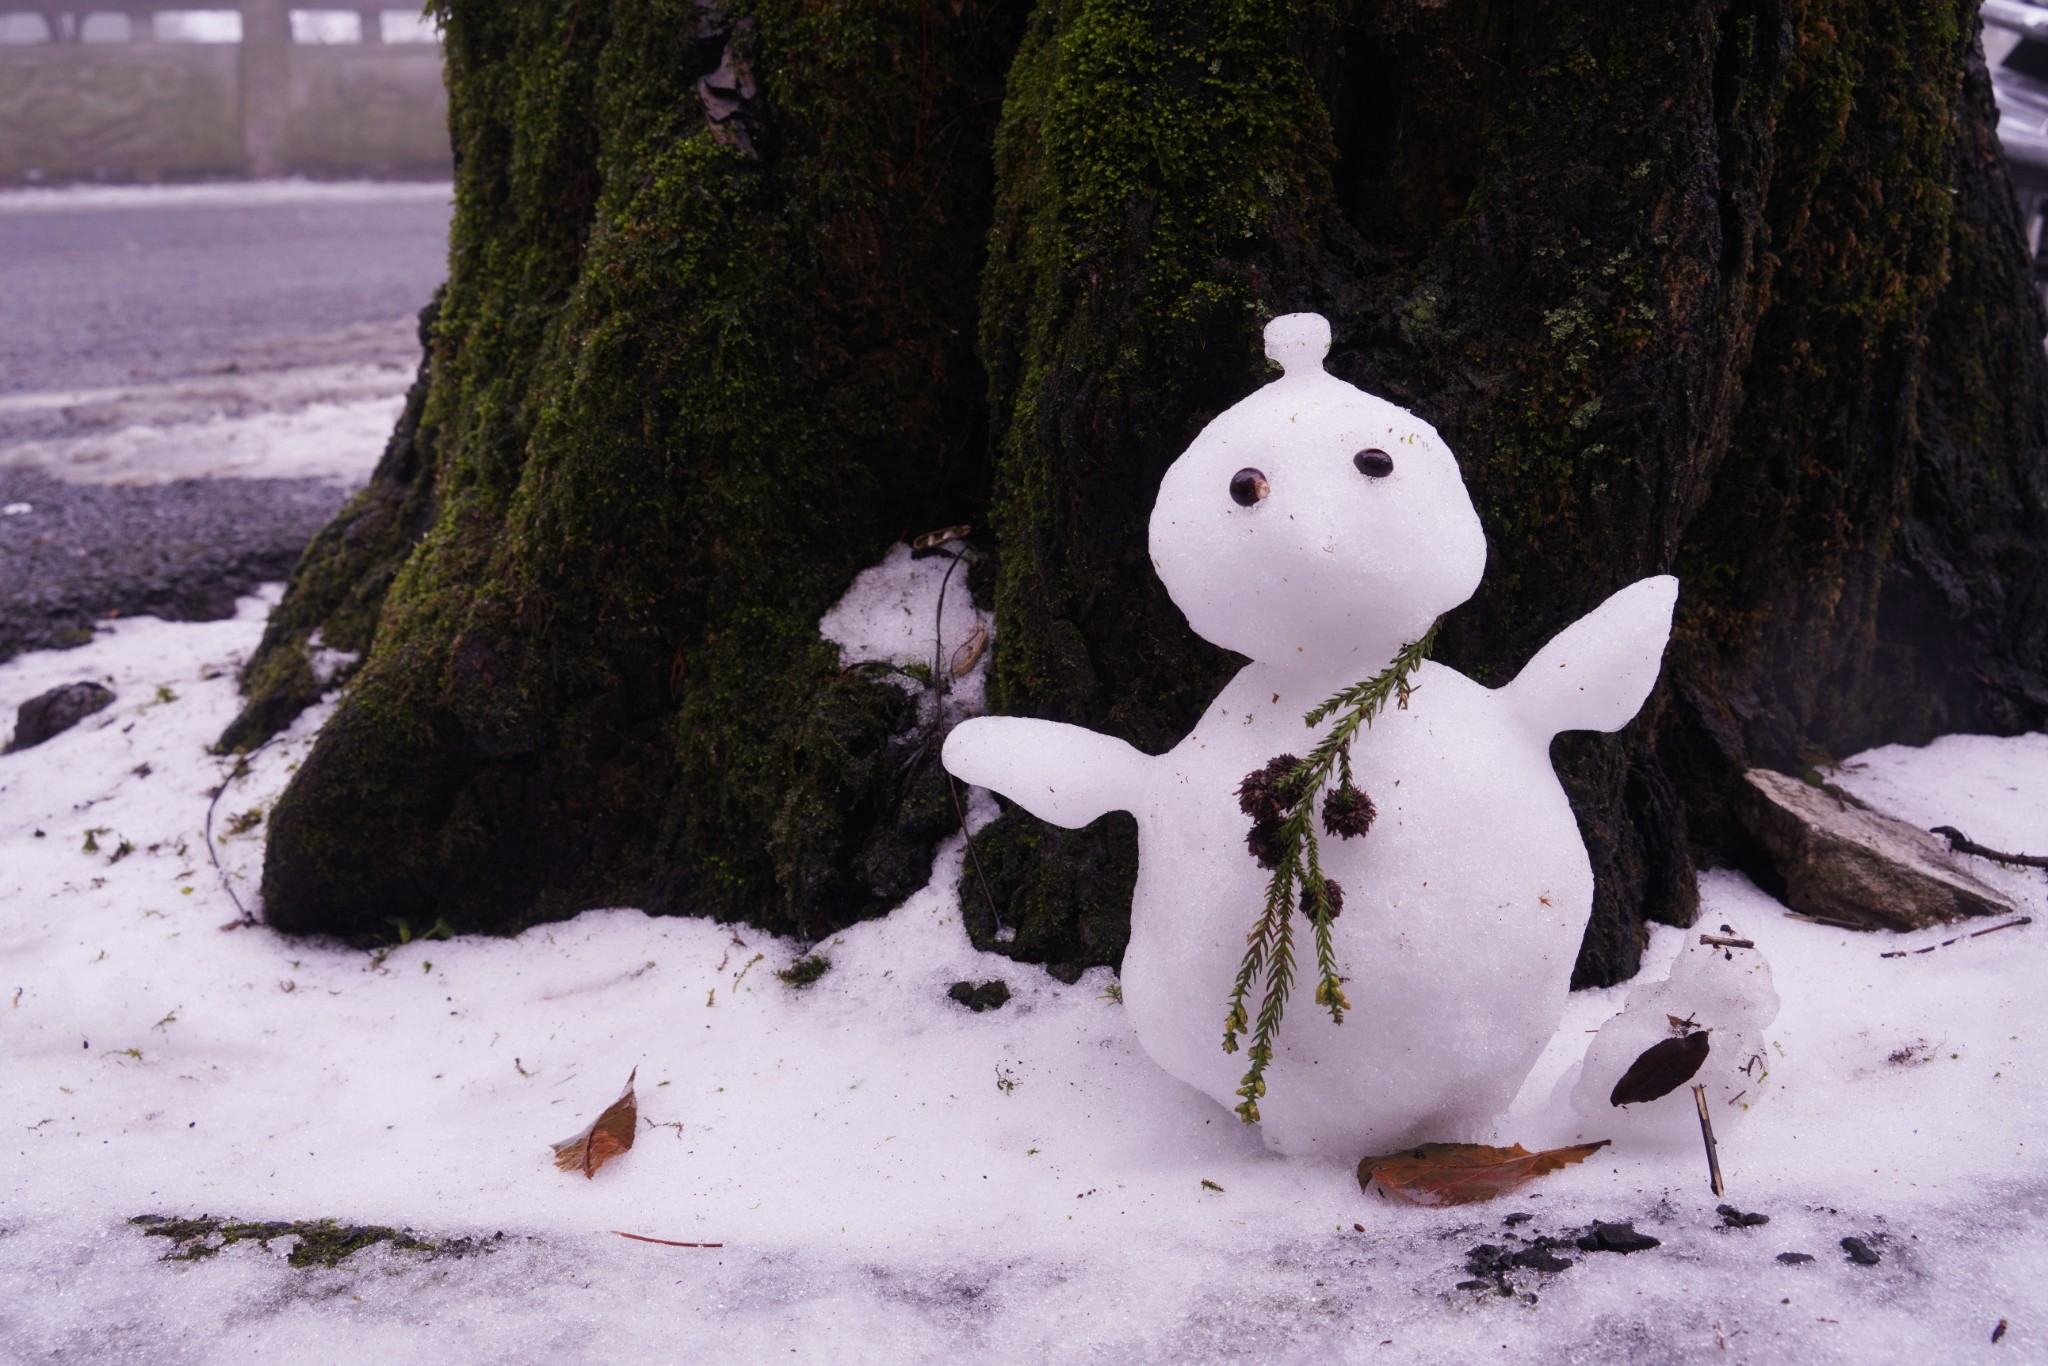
column 1731, row 289
column 706, row 349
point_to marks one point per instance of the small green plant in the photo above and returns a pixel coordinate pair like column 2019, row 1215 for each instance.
column 317, row 1242
column 805, row 971
column 1281, row 801
column 92, row 837
column 247, row 821
column 164, row 694
column 406, row 934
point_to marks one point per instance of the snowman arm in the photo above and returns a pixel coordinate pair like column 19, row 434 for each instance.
column 1596, row 672
column 1059, row 773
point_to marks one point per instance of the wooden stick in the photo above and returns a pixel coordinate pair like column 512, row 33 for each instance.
column 2012, row 924
column 665, row 1242
column 1699, row 1099
column 1959, row 843
column 2008, row 925
column 1721, row 941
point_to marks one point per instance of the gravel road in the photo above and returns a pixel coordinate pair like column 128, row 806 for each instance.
column 184, row 552
column 151, row 333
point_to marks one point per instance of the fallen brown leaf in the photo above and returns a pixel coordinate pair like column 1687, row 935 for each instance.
column 969, row 653
column 1661, row 1068
column 610, row 1134
column 1463, row 1173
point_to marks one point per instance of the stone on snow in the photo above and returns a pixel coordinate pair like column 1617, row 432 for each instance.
column 55, row 712
column 1844, row 862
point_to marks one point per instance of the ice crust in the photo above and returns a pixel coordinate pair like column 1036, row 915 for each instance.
column 882, row 1195
column 1466, row 903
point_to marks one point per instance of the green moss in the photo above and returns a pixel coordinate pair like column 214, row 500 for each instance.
column 337, row 589
column 319, row 1242
column 805, row 970
column 687, row 382
column 1157, row 169
column 1684, row 288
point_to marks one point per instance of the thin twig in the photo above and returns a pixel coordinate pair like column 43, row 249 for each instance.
column 1974, row 934
column 1959, row 843
column 973, row 853
column 939, row 624
column 665, row 1242
column 1723, row 942
column 939, row 673
column 1699, row 1099
column 240, row 770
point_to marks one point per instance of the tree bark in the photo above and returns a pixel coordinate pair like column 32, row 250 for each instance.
column 705, row 350
column 1731, row 289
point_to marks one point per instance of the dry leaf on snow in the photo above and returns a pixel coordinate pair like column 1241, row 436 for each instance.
column 1462, row 1173
column 969, row 653
column 1661, row 1069
column 610, row 1134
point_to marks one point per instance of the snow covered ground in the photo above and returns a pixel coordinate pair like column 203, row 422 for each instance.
column 287, row 191
column 891, row 1177
column 325, row 422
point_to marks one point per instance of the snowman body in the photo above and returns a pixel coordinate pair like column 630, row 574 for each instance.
column 1463, row 910
column 1317, row 529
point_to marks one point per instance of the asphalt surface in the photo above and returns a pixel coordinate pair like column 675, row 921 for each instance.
column 103, row 291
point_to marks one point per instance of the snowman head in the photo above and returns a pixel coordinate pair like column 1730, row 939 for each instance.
column 1314, row 523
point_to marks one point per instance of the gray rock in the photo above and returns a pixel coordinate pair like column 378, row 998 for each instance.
column 1844, row 862
column 55, row 712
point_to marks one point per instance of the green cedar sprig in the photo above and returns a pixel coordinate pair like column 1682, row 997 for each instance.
column 1281, row 798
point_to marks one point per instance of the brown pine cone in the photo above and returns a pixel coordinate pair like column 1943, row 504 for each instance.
column 1347, row 812
column 1265, row 843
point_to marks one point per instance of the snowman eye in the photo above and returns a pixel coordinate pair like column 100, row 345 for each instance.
column 1374, row 463
column 1248, row 486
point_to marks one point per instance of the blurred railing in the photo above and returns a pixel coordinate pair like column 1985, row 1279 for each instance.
column 125, row 89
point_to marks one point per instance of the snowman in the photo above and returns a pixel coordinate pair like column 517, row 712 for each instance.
column 1318, row 530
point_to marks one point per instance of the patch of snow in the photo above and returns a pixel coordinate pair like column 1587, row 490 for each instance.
column 337, row 442
column 916, row 613
column 893, row 1177
column 225, row 194
column 320, row 422
column 326, row 663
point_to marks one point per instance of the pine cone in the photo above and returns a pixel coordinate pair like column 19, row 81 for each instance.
column 1266, row 793
column 1265, row 843
column 1333, row 896
column 1347, row 812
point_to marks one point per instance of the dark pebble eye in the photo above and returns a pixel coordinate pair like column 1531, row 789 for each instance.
column 1374, row 463
column 1248, row 486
